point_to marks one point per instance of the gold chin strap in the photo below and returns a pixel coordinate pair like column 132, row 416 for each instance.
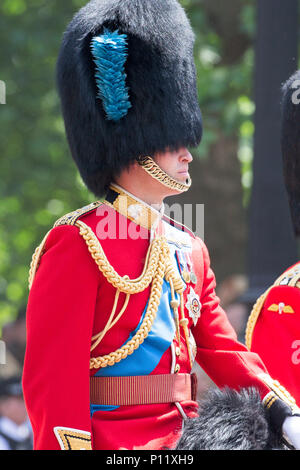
column 160, row 175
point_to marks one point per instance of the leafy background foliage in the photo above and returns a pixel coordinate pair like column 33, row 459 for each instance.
column 39, row 181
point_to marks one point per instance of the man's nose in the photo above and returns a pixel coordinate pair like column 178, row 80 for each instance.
column 186, row 156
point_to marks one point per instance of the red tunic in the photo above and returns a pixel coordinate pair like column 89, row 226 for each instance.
column 273, row 330
column 70, row 301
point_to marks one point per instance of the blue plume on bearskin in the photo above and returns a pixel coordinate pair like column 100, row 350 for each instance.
column 110, row 54
column 230, row 420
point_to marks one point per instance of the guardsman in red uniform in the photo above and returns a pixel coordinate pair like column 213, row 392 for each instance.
column 273, row 329
column 122, row 298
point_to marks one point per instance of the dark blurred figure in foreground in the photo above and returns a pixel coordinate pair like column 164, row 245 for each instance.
column 15, row 429
column 231, row 420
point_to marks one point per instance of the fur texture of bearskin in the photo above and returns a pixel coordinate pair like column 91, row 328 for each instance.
column 290, row 145
column 161, row 80
column 230, row 420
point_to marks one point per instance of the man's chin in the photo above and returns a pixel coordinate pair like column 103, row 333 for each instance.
column 182, row 177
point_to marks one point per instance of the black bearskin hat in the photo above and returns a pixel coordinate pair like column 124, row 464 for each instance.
column 230, row 420
column 127, row 83
column 290, row 144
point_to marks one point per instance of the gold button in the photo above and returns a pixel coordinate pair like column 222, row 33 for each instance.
column 177, row 351
column 177, row 368
column 186, row 276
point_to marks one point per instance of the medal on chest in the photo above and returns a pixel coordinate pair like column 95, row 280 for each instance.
column 193, row 306
column 186, row 267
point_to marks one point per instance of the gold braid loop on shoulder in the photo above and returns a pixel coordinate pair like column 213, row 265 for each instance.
column 122, row 283
column 67, row 219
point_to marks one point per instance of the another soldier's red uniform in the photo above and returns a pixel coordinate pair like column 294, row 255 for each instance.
column 273, row 329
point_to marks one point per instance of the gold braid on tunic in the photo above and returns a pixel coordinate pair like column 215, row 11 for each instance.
column 158, row 265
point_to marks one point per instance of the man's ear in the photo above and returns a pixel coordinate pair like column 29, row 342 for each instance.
column 133, row 167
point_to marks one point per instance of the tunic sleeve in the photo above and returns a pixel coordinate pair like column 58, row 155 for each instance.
column 60, row 316
column 225, row 360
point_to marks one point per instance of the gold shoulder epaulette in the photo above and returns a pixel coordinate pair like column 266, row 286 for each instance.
column 72, row 217
column 291, row 278
column 68, row 219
